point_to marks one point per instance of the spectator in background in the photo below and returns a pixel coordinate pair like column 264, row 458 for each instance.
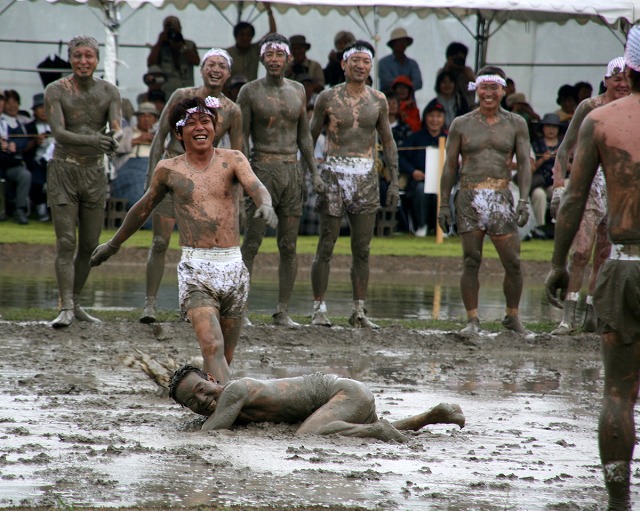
column 456, row 63
column 568, row 101
column 301, row 65
column 508, row 90
column 38, row 152
column 545, row 146
column 234, row 87
column 175, row 55
column 159, row 99
column 447, row 95
column 246, row 54
column 517, row 103
column 13, row 143
column 154, row 79
column 333, row 73
column 424, row 207
column 397, row 64
column 584, row 90
column 402, row 86
column 134, row 150
column 309, row 88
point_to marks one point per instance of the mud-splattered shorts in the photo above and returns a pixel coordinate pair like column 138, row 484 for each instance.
column 214, row 277
column 351, row 186
column 616, row 299
column 486, row 210
column 77, row 180
column 285, row 183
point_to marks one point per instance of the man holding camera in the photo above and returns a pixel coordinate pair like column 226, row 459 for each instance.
column 175, row 55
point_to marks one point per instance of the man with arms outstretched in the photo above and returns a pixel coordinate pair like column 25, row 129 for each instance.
column 609, row 137
column 324, row 403
column 205, row 184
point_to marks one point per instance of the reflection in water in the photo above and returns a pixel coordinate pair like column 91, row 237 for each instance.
column 393, row 296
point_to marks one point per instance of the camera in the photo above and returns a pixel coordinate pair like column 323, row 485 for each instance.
column 172, row 35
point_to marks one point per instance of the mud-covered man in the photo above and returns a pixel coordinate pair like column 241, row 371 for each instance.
column 205, row 184
column 609, row 137
column 84, row 113
column 325, row 404
column 352, row 113
column 485, row 140
column 274, row 119
column 215, row 69
column 592, row 234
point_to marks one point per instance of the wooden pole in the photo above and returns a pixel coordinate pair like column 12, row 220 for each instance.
column 441, row 146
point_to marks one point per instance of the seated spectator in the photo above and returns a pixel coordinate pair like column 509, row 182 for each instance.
column 456, row 55
column 398, row 64
column 424, row 207
column 584, row 90
column 159, row 99
column 13, row 142
column 309, row 88
column 402, row 86
column 235, row 84
column 333, row 73
column 448, row 96
column 568, row 101
column 545, row 147
column 134, row 150
column 175, row 55
column 37, row 154
column 154, row 79
column 301, row 65
column 517, row 103
column 245, row 53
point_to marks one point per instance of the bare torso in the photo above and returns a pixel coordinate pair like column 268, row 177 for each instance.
column 206, row 203
column 615, row 134
column 73, row 109
column 271, row 114
column 351, row 121
column 486, row 149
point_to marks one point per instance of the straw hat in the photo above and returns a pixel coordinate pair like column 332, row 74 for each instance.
column 399, row 33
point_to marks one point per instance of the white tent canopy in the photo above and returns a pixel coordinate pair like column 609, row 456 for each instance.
column 538, row 53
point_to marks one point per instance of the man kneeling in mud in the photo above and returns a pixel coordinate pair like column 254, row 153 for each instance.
column 324, row 403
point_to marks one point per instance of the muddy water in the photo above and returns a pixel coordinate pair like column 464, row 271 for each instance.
column 395, row 296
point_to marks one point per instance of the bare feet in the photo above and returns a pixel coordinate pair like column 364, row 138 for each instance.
column 65, row 318
column 360, row 320
column 444, row 413
column 82, row 315
column 473, row 327
column 149, row 312
column 514, row 324
column 320, row 319
column 384, row 430
column 283, row 319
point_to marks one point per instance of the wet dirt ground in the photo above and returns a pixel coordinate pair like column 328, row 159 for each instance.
column 79, row 427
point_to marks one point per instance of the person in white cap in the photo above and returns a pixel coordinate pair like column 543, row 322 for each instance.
column 398, row 64
column 215, row 69
column 609, row 138
column 592, row 234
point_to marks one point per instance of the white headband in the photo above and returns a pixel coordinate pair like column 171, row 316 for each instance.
column 487, row 78
column 276, row 46
column 356, row 49
column 614, row 67
column 632, row 49
column 217, row 52
column 209, row 101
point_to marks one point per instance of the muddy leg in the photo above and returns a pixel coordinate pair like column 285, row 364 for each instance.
column 444, row 413
column 206, row 324
column 162, row 229
column 65, row 218
column 329, row 232
column 616, row 427
column 469, row 283
column 231, row 328
column 288, row 268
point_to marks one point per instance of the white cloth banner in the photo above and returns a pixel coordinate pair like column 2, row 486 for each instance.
column 432, row 170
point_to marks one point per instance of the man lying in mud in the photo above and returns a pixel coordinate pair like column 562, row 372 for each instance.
column 324, row 403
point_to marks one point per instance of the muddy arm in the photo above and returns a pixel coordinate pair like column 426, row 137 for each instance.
column 229, row 406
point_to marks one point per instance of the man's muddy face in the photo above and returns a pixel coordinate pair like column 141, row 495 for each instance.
column 357, row 67
column 490, row 94
column 84, row 61
column 275, row 61
column 198, row 132
column 617, row 86
column 215, row 71
column 197, row 394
